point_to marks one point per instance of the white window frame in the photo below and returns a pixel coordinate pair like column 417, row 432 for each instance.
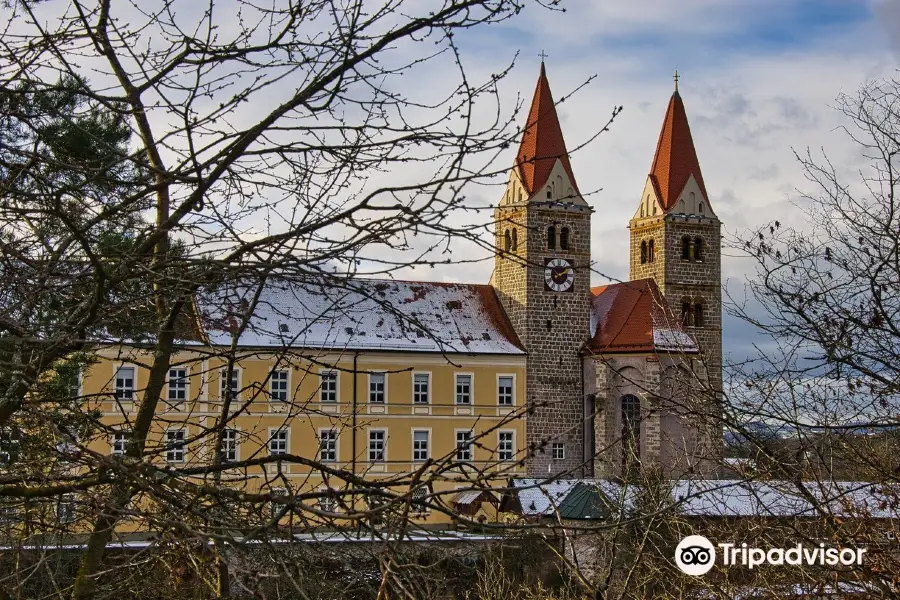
column 471, row 398
column 469, row 447
column 417, row 509
column 500, row 451
column 335, row 440
column 187, row 385
column 134, row 384
column 287, row 385
column 275, row 508
column 287, row 441
column 233, row 446
column 384, row 444
column 384, row 393
column 337, row 385
column 327, row 503
column 67, row 509
column 427, row 432
column 114, row 440
column 427, row 402
column 171, row 456
column 561, row 446
column 223, row 386
column 13, row 445
column 512, row 392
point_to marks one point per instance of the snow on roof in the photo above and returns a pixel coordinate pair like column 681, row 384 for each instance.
column 634, row 317
column 537, row 498
column 727, row 498
column 361, row 314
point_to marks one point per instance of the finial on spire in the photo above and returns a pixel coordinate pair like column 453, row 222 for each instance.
column 543, row 55
column 676, row 77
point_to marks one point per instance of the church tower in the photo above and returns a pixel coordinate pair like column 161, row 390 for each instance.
column 542, row 276
column 676, row 240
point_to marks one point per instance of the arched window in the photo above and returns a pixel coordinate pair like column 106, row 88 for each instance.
column 654, row 208
column 701, row 208
column 687, row 313
column 698, row 249
column 681, row 205
column 551, row 237
column 685, row 248
column 515, row 239
column 643, row 252
column 564, row 238
column 698, row 314
column 642, row 210
column 651, row 253
column 631, row 431
column 519, row 195
column 549, row 193
column 507, row 241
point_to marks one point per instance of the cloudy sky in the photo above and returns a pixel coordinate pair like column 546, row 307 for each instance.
column 759, row 78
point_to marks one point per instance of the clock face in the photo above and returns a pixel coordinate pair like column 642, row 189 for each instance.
column 559, row 275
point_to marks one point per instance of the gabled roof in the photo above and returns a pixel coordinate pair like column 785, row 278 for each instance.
column 542, row 141
column 634, row 317
column 676, row 159
column 361, row 314
column 599, row 498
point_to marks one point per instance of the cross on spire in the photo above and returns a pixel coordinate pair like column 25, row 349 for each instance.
column 543, row 55
column 676, row 78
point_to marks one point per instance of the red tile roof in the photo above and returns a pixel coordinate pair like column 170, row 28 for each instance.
column 676, row 158
column 634, row 317
column 542, row 140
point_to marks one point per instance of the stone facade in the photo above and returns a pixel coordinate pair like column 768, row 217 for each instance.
column 552, row 326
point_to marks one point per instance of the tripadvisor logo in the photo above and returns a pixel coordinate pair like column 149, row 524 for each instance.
column 695, row 555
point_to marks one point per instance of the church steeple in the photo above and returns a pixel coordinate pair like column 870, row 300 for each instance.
column 542, row 143
column 676, row 159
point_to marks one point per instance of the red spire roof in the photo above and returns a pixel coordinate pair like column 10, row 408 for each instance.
column 676, row 159
column 542, row 140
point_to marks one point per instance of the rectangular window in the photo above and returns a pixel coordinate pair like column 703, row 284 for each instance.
column 559, row 451
column 327, row 503
column 125, row 383
column 420, row 445
column 177, row 385
column 175, row 445
column 229, row 445
column 464, row 389
column 464, row 446
column 328, row 445
column 9, row 446
column 419, row 499
column 505, row 391
column 228, row 387
column 328, row 386
column 278, row 508
column 118, row 443
column 505, row 448
column 66, row 508
column 420, row 388
column 376, row 388
column 278, row 442
column 376, row 445
column 279, row 384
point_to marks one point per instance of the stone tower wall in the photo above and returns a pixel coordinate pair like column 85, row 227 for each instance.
column 553, row 326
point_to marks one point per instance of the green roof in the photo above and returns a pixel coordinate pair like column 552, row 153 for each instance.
column 585, row 501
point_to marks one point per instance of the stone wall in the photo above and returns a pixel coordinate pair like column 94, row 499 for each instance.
column 553, row 326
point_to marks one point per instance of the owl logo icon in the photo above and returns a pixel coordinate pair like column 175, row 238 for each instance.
column 695, row 555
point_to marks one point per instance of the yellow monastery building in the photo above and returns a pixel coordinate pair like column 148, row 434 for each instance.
column 533, row 373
